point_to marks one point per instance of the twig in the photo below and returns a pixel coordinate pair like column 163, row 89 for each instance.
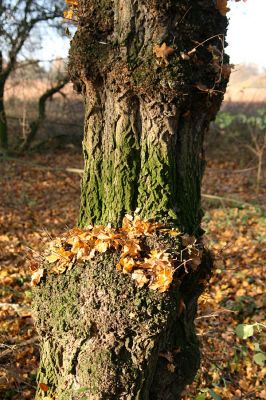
column 13, row 348
column 213, row 197
column 39, row 166
column 232, row 171
column 216, row 314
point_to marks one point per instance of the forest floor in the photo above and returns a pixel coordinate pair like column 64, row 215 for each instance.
column 37, row 203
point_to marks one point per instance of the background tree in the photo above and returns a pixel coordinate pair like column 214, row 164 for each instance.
column 152, row 74
column 18, row 19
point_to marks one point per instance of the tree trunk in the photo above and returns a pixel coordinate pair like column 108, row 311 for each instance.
column 3, row 121
column 36, row 124
column 148, row 106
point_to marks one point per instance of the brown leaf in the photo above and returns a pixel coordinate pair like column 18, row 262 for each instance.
column 43, row 386
column 168, row 356
column 221, row 5
column 226, row 70
column 188, row 240
column 163, row 52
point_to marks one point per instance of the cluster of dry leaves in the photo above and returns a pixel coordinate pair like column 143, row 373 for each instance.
column 70, row 12
column 152, row 267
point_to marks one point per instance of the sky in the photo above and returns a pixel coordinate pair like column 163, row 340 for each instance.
column 246, row 35
column 247, row 32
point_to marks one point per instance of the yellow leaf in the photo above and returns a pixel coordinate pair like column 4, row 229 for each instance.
column 52, row 258
column 140, row 278
column 4, row 238
column 68, row 14
column 72, row 3
column 101, row 246
column 174, row 232
column 64, row 253
column 163, row 279
column 131, row 248
column 127, row 264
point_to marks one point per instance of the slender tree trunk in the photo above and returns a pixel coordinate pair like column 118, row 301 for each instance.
column 35, row 125
column 147, row 109
column 3, row 121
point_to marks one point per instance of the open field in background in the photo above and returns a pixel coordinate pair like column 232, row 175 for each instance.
column 64, row 112
column 246, row 92
column 247, row 85
column 39, row 200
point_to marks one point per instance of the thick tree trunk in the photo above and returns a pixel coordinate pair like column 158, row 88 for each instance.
column 147, row 108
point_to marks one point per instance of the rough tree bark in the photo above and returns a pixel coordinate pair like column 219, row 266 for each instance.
column 147, row 109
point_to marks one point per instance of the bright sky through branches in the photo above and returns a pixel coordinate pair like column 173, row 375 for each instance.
column 247, row 32
column 246, row 35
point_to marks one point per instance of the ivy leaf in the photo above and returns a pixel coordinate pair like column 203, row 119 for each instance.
column 259, row 358
column 214, row 395
column 200, row 396
column 244, row 331
column 83, row 389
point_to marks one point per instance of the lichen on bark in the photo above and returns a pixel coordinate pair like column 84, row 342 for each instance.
column 105, row 338
column 145, row 119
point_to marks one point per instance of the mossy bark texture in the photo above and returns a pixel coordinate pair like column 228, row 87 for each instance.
column 146, row 115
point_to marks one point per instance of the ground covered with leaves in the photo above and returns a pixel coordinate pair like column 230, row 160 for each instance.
column 39, row 201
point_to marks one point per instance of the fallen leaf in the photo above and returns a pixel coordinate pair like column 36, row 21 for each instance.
column 140, row 278
column 52, row 258
column 43, row 387
column 36, row 277
column 126, row 264
column 163, row 279
column 101, row 246
column 163, row 52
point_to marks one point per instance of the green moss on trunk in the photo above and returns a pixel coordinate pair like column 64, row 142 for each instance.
column 105, row 338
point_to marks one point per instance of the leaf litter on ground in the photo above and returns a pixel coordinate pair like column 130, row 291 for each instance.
column 37, row 206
